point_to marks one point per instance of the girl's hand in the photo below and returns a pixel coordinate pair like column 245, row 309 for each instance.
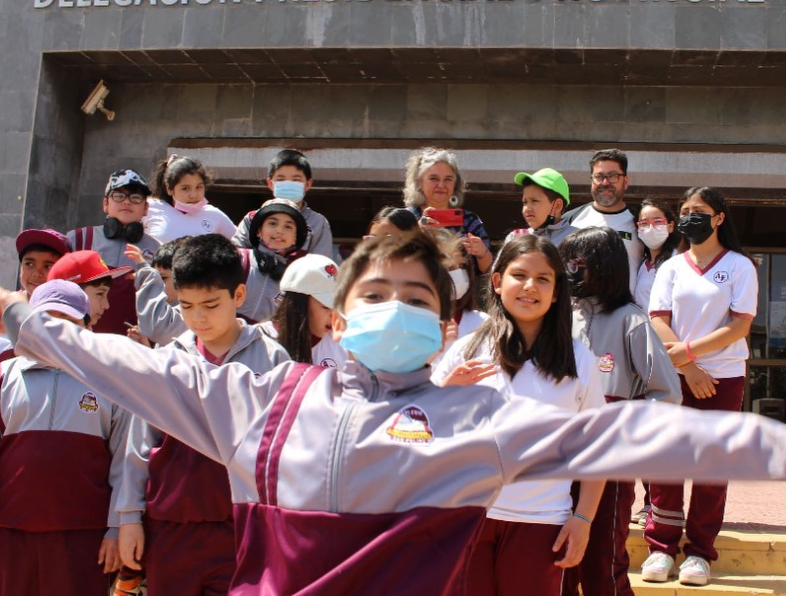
column 575, row 536
column 474, row 246
column 470, row 373
column 701, row 384
column 134, row 253
column 132, row 545
column 133, row 333
column 678, row 352
column 108, row 555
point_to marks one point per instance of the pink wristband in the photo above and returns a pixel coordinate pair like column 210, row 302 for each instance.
column 688, row 353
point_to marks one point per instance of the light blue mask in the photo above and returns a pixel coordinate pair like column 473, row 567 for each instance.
column 289, row 189
column 392, row 336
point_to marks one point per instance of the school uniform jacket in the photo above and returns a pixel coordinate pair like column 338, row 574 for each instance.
column 122, row 308
column 348, row 482
column 632, row 360
column 319, row 240
column 169, row 479
column 554, row 233
column 61, row 451
column 158, row 320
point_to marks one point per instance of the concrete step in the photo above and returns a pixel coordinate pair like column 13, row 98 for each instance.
column 720, row 585
column 740, row 553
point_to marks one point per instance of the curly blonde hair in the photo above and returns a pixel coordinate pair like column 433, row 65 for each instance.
column 417, row 164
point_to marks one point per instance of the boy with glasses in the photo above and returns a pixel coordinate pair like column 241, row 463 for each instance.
column 125, row 204
column 609, row 178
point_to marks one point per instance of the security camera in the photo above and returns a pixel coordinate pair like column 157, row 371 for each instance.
column 96, row 102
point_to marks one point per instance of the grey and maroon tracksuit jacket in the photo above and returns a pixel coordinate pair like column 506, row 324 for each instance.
column 348, row 482
column 170, row 480
column 61, row 451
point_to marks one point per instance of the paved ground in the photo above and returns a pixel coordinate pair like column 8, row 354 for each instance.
column 757, row 506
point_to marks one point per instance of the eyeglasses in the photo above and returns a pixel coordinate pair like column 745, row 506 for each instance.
column 574, row 265
column 646, row 224
column 614, row 177
column 120, row 197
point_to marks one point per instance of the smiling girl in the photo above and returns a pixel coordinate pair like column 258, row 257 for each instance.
column 181, row 208
column 528, row 336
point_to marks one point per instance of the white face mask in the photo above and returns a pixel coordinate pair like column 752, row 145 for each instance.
column 460, row 279
column 654, row 237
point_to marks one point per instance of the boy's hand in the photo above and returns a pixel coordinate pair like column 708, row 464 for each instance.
column 134, row 253
column 133, row 333
column 132, row 545
column 108, row 555
column 8, row 298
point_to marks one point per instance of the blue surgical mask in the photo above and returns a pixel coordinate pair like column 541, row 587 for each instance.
column 392, row 336
column 289, row 189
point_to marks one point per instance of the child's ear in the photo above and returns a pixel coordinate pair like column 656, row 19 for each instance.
column 308, row 184
column 105, row 204
column 338, row 324
column 240, row 295
column 496, row 283
column 269, row 182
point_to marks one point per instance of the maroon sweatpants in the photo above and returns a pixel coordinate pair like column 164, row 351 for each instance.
column 707, row 502
column 604, row 569
column 514, row 559
column 193, row 559
column 48, row 563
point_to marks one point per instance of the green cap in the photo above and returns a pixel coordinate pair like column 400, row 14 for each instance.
column 547, row 178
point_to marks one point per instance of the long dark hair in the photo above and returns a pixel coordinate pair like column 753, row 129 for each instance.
column 727, row 235
column 456, row 254
column 672, row 242
column 291, row 322
column 552, row 352
column 169, row 171
column 602, row 254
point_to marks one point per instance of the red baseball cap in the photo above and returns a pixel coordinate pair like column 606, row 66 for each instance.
column 84, row 266
column 50, row 238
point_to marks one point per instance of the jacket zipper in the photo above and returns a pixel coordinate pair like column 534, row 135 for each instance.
column 54, row 400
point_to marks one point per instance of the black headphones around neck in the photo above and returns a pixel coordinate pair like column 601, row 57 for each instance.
column 132, row 232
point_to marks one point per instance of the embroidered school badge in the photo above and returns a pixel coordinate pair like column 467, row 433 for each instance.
column 606, row 363
column 328, row 362
column 720, row 277
column 411, row 426
column 88, row 403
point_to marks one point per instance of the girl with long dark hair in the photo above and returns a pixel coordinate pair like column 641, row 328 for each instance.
column 525, row 348
column 702, row 305
column 633, row 364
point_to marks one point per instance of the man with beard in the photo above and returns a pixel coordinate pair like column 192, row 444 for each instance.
column 609, row 168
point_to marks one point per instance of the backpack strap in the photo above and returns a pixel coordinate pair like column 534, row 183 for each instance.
column 280, row 419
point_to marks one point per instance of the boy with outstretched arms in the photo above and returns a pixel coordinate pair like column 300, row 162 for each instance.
column 289, row 177
column 61, row 455
column 188, row 536
column 346, row 481
column 125, row 204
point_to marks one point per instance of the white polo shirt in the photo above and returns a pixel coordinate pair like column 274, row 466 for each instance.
column 326, row 353
column 644, row 280
column 165, row 223
column 536, row 501
column 701, row 301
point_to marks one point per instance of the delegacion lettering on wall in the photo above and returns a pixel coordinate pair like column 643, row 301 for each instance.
column 128, row 3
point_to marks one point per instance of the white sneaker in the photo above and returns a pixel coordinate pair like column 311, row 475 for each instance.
column 640, row 515
column 658, row 567
column 695, row 571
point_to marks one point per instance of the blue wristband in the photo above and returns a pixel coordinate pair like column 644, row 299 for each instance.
column 583, row 517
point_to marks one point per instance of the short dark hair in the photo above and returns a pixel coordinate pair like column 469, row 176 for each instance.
column 169, row 172
column 209, row 261
column 165, row 252
column 610, row 155
column 411, row 246
column 37, row 248
column 101, row 282
column 289, row 157
column 607, row 277
column 552, row 352
column 402, row 218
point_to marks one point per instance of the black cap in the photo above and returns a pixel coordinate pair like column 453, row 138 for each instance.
column 278, row 206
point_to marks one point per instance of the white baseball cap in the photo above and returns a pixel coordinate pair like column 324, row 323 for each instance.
column 313, row 275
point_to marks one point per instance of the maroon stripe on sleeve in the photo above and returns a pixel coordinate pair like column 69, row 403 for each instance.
column 742, row 315
column 286, row 425
column 659, row 313
column 274, row 417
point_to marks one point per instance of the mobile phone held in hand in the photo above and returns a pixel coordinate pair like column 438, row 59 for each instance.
column 447, row 218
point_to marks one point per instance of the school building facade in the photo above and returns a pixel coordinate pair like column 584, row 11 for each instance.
column 693, row 90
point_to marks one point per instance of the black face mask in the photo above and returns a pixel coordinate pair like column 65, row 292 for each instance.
column 696, row 227
column 133, row 232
